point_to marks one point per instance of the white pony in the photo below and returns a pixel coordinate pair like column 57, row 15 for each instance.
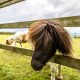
column 18, row 37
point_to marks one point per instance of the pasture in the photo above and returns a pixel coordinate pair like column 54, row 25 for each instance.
column 15, row 66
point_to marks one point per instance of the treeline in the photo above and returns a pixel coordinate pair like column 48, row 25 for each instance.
column 15, row 25
column 70, row 21
column 65, row 21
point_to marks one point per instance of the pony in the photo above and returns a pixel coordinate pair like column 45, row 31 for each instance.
column 18, row 37
column 48, row 37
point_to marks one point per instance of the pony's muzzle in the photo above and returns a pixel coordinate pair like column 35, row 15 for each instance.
column 36, row 65
column 7, row 42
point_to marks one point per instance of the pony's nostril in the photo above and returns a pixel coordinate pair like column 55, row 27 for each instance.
column 35, row 67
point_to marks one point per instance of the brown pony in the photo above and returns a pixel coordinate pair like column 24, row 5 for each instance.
column 47, row 37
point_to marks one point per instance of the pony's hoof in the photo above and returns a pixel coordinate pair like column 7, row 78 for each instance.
column 59, row 78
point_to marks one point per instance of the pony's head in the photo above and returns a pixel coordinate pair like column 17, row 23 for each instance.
column 9, row 41
column 47, row 37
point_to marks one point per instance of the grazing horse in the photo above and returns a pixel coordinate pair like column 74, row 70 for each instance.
column 18, row 37
column 48, row 37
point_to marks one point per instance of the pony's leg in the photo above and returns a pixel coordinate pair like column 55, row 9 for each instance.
column 53, row 71
column 59, row 77
column 14, row 43
column 20, row 45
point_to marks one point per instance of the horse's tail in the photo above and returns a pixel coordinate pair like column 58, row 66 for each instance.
column 62, row 39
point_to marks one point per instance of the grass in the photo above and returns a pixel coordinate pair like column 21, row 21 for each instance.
column 15, row 66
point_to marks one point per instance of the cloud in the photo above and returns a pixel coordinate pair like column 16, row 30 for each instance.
column 37, row 9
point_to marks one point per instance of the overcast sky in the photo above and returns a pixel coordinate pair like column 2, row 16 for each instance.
column 29, row 10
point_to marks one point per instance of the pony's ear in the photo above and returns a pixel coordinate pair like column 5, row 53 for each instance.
column 44, row 25
column 49, row 27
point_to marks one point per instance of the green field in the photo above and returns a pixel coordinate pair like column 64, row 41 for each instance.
column 15, row 66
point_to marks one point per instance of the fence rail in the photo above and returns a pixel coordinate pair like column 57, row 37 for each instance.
column 63, row 60
column 4, row 3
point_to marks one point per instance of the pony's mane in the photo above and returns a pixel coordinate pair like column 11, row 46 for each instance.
column 42, row 32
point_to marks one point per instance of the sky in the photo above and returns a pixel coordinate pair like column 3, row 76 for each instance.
column 29, row 10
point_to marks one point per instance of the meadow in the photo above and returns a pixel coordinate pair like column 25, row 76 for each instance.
column 15, row 66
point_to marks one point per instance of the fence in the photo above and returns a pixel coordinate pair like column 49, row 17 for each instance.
column 76, row 35
column 63, row 60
